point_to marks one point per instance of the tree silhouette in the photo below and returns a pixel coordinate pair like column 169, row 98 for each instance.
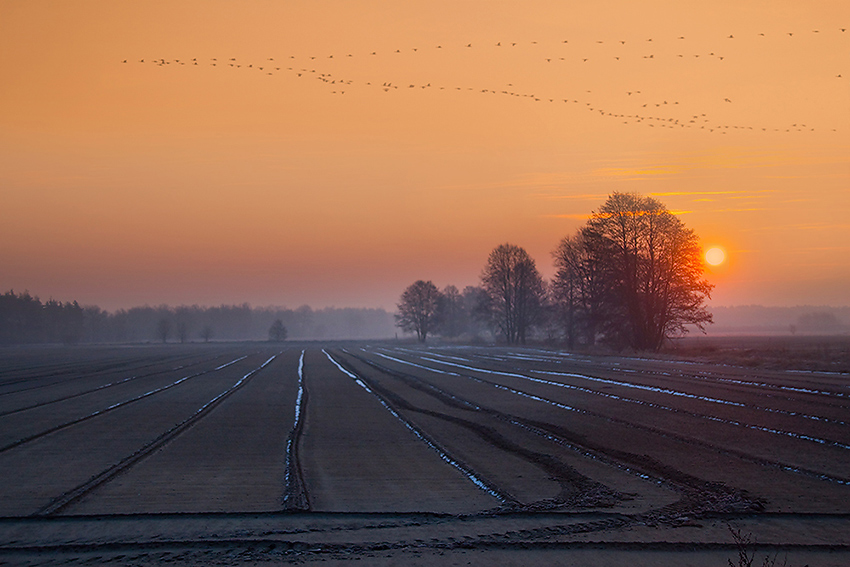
column 634, row 273
column 207, row 332
column 515, row 291
column 451, row 312
column 277, row 332
column 163, row 329
column 418, row 310
column 582, row 284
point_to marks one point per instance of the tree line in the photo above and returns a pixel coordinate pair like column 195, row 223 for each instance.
column 632, row 276
column 25, row 319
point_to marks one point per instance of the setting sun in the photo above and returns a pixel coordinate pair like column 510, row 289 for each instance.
column 715, row 256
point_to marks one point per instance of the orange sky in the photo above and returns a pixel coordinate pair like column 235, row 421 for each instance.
column 132, row 183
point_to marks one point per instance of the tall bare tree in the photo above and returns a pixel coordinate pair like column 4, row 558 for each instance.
column 515, row 291
column 654, row 271
column 418, row 310
column 452, row 317
column 207, row 332
column 581, row 288
column 163, row 329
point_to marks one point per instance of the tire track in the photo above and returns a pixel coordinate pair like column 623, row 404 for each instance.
column 657, row 431
column 669, row 392
column 577, row 490
column 714, row 377
column 295, row 496
column 475, row 478
column 113, row 407
column 698, row 495
column 71, row 496
column 563, row 437
column 84, row 373
column 104, row 386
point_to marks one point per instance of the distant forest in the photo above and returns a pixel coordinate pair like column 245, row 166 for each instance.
column 25, row 319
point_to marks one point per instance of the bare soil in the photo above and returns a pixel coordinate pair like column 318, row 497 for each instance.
column 397, row 454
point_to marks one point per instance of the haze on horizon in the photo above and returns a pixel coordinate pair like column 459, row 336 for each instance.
column 408, row 140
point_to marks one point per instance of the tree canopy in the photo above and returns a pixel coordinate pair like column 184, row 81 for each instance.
column 419, row 308
column 633, row 274
column 515, row 291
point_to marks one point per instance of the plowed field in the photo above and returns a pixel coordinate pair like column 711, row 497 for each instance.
column 250, row 454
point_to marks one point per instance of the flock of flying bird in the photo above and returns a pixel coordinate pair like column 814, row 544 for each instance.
column 699, row 120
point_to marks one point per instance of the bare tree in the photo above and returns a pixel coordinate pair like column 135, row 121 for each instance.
column 207, row 332
column 418, row 310
column 182, row 331
column 452, row 316
column 163, row 329
column 515, row 291
column 656, row 271
column 277, row 332
column 183, row 316
column 581, row 287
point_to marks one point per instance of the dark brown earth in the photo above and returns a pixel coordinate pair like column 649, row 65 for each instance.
column 247, row 454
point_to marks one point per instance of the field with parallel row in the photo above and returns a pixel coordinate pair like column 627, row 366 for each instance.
column 256, row 454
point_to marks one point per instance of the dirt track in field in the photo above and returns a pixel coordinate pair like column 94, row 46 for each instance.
column 249, row 454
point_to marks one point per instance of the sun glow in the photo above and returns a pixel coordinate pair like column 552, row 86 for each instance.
column 715, row 256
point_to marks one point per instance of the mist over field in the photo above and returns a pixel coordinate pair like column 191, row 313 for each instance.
column 25, row 319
